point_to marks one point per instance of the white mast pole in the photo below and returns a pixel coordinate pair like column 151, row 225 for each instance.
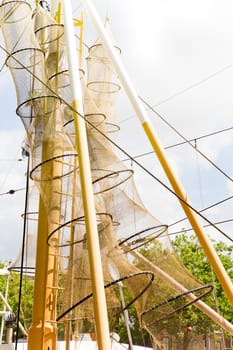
column 145, row 122
column 100, row 309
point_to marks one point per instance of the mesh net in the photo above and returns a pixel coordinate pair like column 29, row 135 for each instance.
column 36, row 57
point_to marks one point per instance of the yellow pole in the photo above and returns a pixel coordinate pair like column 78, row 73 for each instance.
column 192, row 217
column 141, row 114
column 39, row 328
column 43, row 331
column 100, row 308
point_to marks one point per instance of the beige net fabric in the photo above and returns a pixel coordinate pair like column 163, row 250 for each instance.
column 36, row 57
column 30, row 219
column 165, row 305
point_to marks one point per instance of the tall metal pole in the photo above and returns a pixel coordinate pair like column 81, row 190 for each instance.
column 115, row 275
column 100, row 309
column 156, row 145
column 126, row 316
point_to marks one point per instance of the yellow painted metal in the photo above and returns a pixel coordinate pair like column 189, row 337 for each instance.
column 81, row 40
column 79, row 23
column 42, row 334
column 100, row 309
column 192, row 217
column 58, row 13
column 96, row 272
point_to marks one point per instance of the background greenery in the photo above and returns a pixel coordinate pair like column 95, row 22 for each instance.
column 190, row 252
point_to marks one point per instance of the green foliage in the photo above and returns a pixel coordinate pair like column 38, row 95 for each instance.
column 117, row 322
column 13, row 281
column 190, row 253
column 193, row 257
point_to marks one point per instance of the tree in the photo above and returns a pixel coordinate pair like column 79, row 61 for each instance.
column 190, row 321
column 13, row 295
column 193, row 257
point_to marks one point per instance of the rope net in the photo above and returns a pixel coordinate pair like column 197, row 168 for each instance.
column 36, row 56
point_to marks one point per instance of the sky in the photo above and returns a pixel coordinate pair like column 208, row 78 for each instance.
column 179, row 57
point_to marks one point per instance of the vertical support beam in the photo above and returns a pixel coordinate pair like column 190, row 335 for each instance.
column 43, row 332
column 157, row 147
column 100, row 308
column 126, row 316
column 40, row 329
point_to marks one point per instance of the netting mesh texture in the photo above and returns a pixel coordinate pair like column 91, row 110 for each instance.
column 36, row 57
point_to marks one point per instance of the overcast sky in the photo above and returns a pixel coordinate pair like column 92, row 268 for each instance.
column 179, row 56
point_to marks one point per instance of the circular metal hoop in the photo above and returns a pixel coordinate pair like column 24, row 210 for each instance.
column 16, row 3
column 103, row 87
column 47, row 29
column 111, row 284
column 26, row 270
column 81, row 221
column 138, row 239
column 33, row 107
column 22, row 58
column 39, row 166
column 208, row 289
column 114, row 179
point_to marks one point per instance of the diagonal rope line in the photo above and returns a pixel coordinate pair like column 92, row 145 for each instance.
column 120, row 148
column 186, row 140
